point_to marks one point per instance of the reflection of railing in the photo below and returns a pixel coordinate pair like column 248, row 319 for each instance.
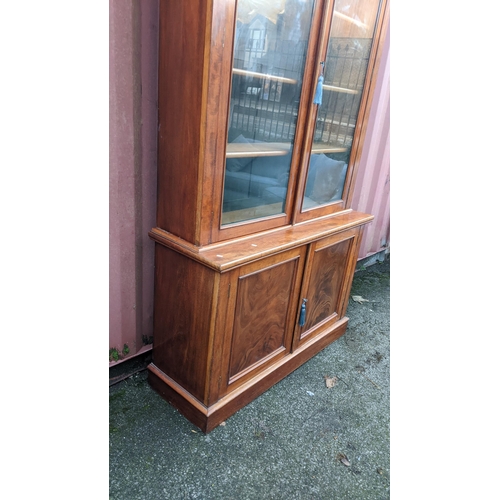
column 251, row 150
column 263, row 76
column 265, row 106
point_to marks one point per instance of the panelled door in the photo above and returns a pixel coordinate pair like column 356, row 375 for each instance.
column 326, row 285
column 264, row 297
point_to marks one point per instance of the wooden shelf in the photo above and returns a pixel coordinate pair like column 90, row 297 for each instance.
column 275, row 78
column 253, row 150
column 327, row 148
column 250, row 150
column 251, row 213
column 340, row 89
column 263, row 76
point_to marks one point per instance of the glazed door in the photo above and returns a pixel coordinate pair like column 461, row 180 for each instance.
column 272, row 67
column 341, row 102
column 327, row 279
column 270, row 47
column 264, row 297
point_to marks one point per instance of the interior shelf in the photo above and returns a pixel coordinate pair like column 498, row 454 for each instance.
column 282, row 79
column 247, row 150
column 239, row 150
column 339, row 89
column 327, row 148
column 264, row 76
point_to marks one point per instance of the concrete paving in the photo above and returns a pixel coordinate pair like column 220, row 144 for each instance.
column 300, row 440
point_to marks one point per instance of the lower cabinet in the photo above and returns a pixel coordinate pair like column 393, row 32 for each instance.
column 233, row 320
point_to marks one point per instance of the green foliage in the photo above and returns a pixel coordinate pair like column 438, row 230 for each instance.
column 115, row 354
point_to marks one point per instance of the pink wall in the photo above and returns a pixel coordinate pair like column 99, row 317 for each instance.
column 133, row 46
column 133, row 38
column 372, row 191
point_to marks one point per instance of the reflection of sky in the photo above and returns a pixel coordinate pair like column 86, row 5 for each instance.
column 355, row 20
column 247, row 9
column 292, row 18
column 293, row 11
column 297, row 24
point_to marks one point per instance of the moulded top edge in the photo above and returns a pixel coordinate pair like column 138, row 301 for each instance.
column 226, row 255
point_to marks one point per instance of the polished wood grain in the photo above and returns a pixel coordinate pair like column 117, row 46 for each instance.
column 218, row 65
column 223, row 311
column 349, row 272
column 326, row 284
column 222, row 338
column 184, row 291
column 227, row 255
column 260, row 315
column 227, row 299
column 261, row 307
column 328, row 267
column 263, row 299
column 181, row 106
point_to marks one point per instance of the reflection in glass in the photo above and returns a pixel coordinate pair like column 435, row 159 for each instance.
column 269, row 55
column 345, row 68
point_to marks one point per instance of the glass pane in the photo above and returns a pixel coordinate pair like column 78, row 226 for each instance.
column 345, row 68
column 269, row 56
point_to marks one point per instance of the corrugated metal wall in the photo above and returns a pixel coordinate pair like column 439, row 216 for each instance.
column 372, row 191
column 133, row 123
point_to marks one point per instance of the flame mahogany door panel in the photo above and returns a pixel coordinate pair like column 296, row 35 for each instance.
column 327, row 280
column 265, row 297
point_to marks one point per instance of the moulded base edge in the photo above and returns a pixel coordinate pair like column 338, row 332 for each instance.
column 207, row 418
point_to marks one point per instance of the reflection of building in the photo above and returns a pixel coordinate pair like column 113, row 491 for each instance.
column 270, row 9
column 266, row 82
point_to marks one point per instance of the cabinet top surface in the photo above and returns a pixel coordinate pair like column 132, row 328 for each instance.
column 227, row 255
